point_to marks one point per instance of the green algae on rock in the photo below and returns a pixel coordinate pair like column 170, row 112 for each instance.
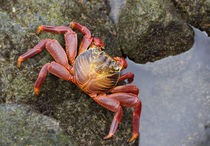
column 196, row 13
column 85, row 121
column 19, row 125
column 150, row 30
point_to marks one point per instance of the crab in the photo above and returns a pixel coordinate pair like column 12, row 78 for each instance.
column 91, row 69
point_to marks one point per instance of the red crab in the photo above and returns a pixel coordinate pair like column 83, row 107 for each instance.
column 93, row 71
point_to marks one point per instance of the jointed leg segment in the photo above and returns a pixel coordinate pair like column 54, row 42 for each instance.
column 54, row 29
column 52, row 46
column 128, row 75
column 87, row 39
column 114, row 101
column 54, row 68
column 35, row 50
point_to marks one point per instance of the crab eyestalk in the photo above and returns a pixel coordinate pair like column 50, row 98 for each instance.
column 122, row 61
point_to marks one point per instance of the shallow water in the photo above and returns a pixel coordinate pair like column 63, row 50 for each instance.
column 175, row 93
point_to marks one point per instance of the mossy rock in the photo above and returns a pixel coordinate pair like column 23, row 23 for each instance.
column 150, row 30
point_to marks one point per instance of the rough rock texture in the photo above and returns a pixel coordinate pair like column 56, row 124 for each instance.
column 142, row 39
column 19, row 125
column 150, row 30
column 196, row 12
column 84, row 121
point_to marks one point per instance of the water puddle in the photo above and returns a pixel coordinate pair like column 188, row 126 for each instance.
column 175, row 92
column 116, row 7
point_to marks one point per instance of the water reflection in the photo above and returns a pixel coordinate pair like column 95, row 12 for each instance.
column 175, row 92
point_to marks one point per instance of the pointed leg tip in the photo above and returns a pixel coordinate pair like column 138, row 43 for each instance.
column 72, row 24
column 108, row 136
column 39, row 30
column 133, row 138
column 36, row 91
column 19, row 62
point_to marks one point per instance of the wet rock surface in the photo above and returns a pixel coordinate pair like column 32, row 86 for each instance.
column 196, row 12
column 19, row 125
column 150, row 30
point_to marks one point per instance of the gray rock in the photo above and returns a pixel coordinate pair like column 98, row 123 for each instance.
column 150, row 30
column 19, row 125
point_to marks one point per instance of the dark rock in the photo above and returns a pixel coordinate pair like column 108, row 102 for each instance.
column 85, row 121
column 196, row 13
column 150, row 30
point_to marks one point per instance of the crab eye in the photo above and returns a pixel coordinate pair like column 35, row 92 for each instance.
column 112, row 63
column 96, row 51
column 116, row 67
column 101, row 54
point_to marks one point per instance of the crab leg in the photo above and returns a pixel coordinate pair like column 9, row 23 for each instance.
column 137, row 109
column 38, row 48
column 125, row 89
column 136, row 121
column 70, row 39
column 71, row 46
column 54, row 68
column 87, row 39
column 114, row 106
column 128, row 75
column 113, row 102
column 130, row 100
column 53, row 47
column 54, row 29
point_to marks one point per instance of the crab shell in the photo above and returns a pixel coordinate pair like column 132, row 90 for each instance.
column 95, row 71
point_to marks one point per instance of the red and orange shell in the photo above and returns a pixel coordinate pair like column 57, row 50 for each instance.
column 95, row 71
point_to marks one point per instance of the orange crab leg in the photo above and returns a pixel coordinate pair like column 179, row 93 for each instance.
column 128, row 75
column 71, row 46
column 130, row 100
column 35, row 50
column 136, row 121
column 87, row 39
column 114, row 106
column 125, row 89
column 57, row 52
column 54, row 29
column 113, row 102
column 70, row 39
column 53, row 47
column 54, row 68
column 40, row 79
